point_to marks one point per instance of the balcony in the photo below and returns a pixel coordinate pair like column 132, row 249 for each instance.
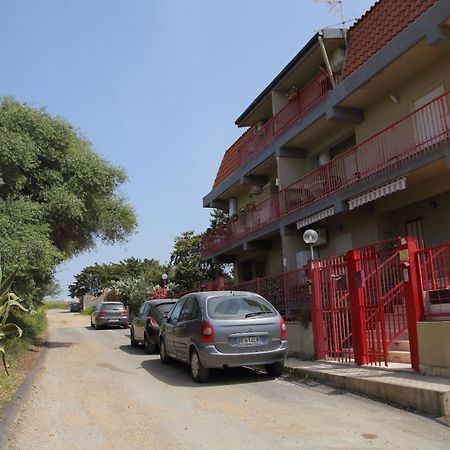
column 408, row 138
column 251, row 143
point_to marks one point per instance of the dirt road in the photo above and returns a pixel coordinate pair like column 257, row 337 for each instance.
column 95, row 392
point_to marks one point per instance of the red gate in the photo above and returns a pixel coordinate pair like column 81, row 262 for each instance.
column 330, row 309
column 434, row 268
column 360, row 321
column 378, row 292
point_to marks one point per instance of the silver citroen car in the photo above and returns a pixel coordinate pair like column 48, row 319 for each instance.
column 224, row 329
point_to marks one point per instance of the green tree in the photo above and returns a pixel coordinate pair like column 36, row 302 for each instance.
column 93, row 279
column 189, row 268
column 57, row 196
column 218, row 218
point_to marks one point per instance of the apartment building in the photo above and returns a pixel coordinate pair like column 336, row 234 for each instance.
column 351, row 139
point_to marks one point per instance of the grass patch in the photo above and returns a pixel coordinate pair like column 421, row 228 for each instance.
column 55, row 304
column 88, row 311
column 17, row 350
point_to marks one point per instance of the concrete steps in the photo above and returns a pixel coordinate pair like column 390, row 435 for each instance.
column 398, row 356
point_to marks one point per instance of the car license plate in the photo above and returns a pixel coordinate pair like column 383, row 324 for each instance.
column 113, row 320
column 249, row 340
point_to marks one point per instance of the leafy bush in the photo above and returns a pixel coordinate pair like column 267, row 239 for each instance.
column 8, row 300
column 88, row 311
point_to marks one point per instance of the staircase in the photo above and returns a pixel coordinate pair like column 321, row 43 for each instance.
column 398, row 349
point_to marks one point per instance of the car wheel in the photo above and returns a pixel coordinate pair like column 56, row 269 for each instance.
column 149, row 345
column 92, row 325
column 275, row 369
column 97, row 326
column 198, row 372
column 163, row 356
column 133, row 341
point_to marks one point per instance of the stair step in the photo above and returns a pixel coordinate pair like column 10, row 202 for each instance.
column 399, row 344
column 399, row 356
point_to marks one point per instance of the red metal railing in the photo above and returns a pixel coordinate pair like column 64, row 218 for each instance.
column 307, row 98
column 255, row 217
column 434, row 268
column 406, row 139
column 330, row 309
column 287, row 291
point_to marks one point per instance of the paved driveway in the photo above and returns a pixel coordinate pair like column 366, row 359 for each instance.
column 96, row 392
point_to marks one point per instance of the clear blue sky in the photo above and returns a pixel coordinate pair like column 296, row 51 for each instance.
column 156, row 86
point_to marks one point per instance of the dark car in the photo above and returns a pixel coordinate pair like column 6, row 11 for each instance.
column 109, row 314
column 145, row 326
column 224, row 329
column 75, row 307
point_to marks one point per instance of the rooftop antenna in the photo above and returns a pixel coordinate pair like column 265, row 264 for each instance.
column 333, row 6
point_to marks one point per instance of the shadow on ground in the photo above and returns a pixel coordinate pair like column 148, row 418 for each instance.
column 178, row 374
column 55, row 344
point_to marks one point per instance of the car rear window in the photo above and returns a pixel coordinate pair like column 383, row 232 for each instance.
column 163, row 308
column 238, row 307
column 112, row 306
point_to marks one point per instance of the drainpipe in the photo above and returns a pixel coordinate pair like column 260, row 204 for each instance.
column 327, row 61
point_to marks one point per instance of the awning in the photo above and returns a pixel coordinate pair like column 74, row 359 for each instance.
column 315, row 217
column 380, row 191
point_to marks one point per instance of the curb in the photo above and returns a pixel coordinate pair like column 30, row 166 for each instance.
column 13, row 408
column 428, row 401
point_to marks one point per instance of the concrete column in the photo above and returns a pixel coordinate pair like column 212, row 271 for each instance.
column 324, row 158
column 232, row 206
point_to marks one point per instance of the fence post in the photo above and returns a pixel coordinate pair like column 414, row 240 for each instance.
column 414, row 301
column 355, row 285
column 316, row 309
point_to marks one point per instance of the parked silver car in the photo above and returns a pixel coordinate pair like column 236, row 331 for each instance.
column 224, row 329
column 145, row 326
column 109, row 314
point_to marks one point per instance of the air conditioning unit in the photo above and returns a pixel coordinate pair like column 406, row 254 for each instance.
column 323, row 238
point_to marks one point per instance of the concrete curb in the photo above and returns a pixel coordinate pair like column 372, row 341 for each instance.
column 11, row 411
column 429, row 400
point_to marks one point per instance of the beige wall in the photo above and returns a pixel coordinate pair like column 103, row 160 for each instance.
column 291, row 169
column 384, row 112
column 300, row 340
column 434, row 347
column 266, row 192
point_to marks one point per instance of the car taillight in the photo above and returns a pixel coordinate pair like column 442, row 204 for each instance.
column 283, row 330
column 123, row 312
column 102, row 313
column 206, row 332
column 153, row 323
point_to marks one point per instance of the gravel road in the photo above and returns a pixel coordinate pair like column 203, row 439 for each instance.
column 94, row 391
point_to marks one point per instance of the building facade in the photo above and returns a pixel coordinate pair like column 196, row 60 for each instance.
column 351, row 139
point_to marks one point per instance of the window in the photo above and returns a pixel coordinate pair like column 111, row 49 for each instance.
column 146, row 309
column 191, row 310
column 416, row 228
column 237, row 307
column 176, row 311
column 141, row 310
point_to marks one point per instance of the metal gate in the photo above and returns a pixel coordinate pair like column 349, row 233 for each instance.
column 360, row 302
column 331, row 309
column 379, row 297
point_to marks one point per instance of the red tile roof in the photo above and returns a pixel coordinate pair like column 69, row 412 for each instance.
column 230, row 161
column 379, row 26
